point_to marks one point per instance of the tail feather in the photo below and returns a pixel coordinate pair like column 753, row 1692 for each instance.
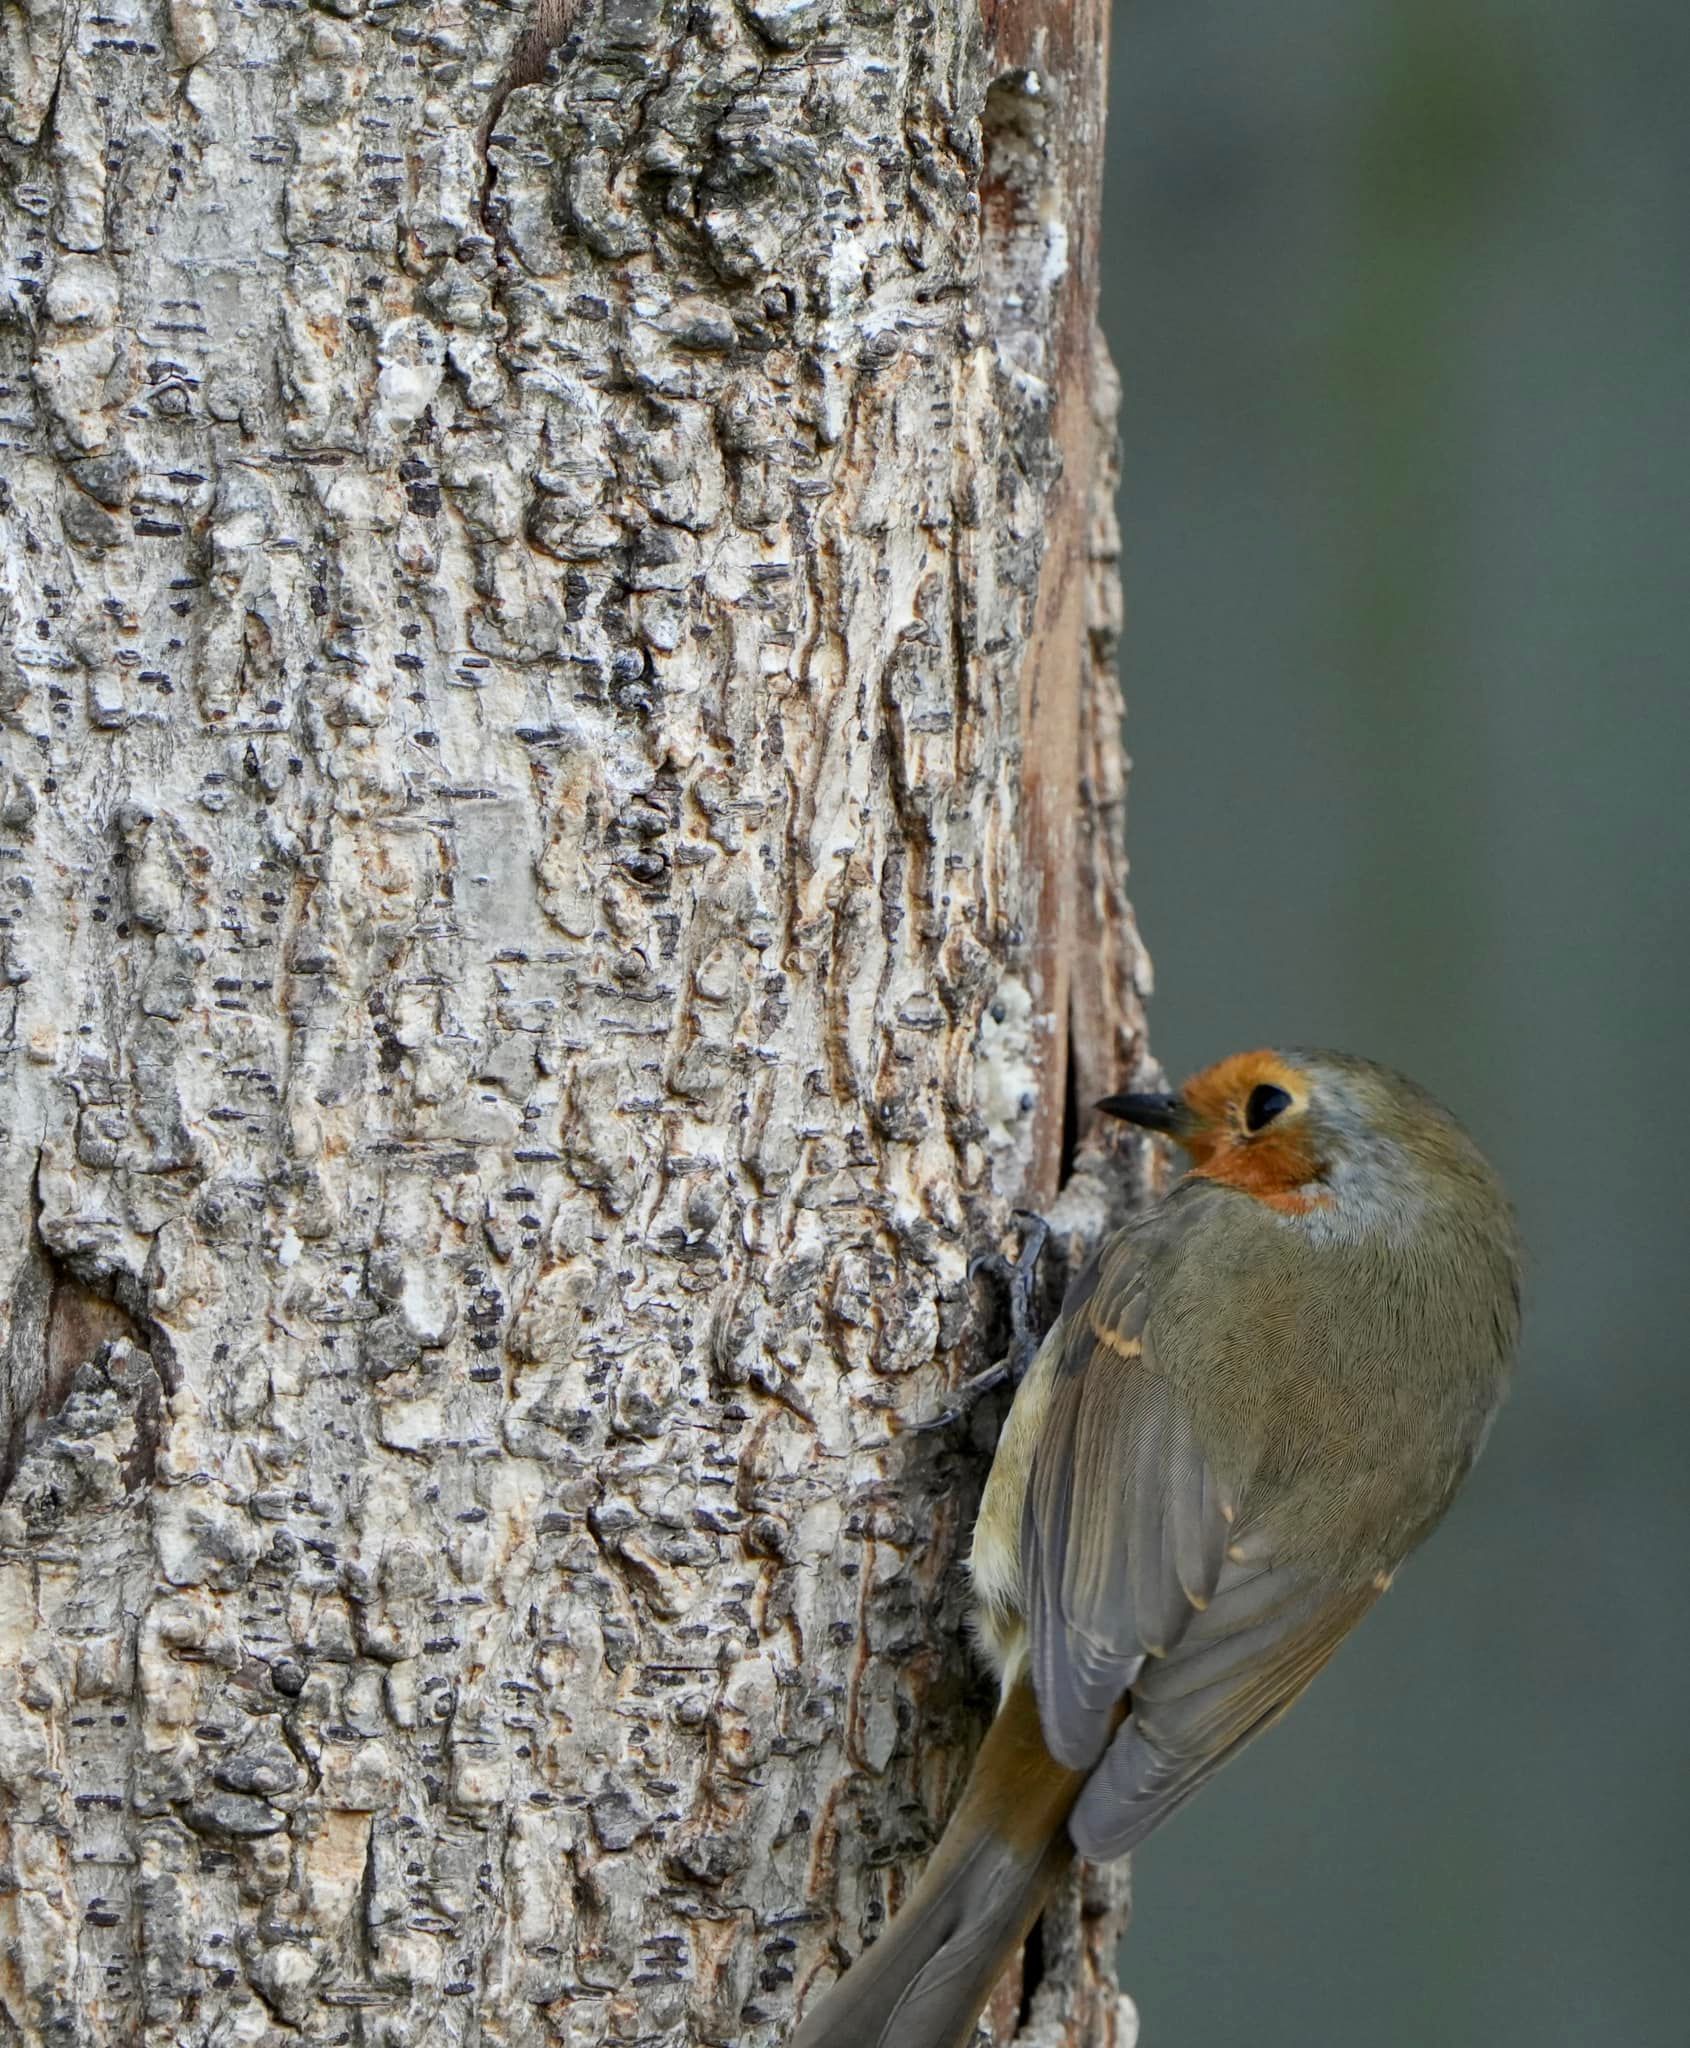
column 923, row 1983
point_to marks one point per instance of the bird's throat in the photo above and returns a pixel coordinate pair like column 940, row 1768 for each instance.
column 1278, row 1170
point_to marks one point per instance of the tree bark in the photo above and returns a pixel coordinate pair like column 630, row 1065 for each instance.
column 559, row 825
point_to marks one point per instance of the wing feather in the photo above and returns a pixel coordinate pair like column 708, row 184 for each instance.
column 1173, row 1745
column 1148, row 1585
column 1122, row 1530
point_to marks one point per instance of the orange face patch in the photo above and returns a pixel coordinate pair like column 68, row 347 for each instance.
column 1276, row 1164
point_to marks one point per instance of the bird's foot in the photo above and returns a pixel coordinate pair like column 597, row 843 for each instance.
column 1021, row 1284
column 1020, row 1280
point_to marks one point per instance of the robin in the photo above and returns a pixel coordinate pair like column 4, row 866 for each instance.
column 1259, row 1397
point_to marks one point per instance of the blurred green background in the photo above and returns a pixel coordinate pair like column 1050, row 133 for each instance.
column 1398, row 291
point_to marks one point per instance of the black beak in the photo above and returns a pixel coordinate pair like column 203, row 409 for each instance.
column 1150, row 1112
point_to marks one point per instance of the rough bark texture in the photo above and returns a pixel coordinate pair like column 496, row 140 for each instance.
column 560, row 751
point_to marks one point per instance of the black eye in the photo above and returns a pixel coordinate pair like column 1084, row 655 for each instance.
column 1265, row 1103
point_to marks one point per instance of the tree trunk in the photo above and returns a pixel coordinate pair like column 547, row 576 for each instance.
column 559, row 817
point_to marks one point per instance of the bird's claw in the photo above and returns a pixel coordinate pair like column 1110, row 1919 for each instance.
column 1022, row 1281
column 964, row 1400
column 1020, row 1278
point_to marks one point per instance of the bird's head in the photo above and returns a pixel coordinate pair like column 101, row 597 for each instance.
column 1245, row 1121
column 1301, row 1131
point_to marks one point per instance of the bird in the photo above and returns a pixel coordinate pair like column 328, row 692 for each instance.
column 1259, row 1396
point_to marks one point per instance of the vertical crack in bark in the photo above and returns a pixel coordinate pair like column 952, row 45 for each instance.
column 548, row 23
column 1043, row 129
column 60, row 1322
column 1071, row 1107
column 1032, row 1971
column 1043, row 132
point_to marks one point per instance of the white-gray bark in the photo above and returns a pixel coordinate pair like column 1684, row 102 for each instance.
column 560, row 790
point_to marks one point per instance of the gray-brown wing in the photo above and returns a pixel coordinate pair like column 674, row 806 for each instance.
column 1142, row 1581
column 1235, row 1670
column 1123, row 1527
